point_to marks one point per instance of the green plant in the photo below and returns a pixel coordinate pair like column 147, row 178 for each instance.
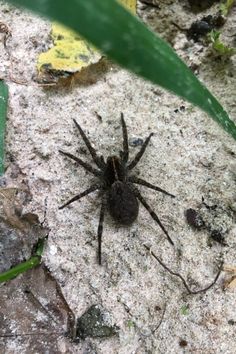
column 184, row 310
column 219, row 46
column 225, row 7
column 130, row 324
column 34, row 261
column 124, row 38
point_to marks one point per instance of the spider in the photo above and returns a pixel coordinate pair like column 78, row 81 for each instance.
column 119, row 194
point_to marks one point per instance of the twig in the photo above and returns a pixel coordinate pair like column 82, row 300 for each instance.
column 161, row 320
column 193, row 292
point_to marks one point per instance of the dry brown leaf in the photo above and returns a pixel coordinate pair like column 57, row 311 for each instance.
column 19, row 232
column 34, row 314
column 229, row 269
column 230, row 283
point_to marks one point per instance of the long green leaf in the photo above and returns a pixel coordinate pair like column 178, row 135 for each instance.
column 20, row 268
column 34, row 261
column 3, row 114
column 128, row 41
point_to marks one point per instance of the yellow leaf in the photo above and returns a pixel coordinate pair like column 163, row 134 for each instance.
column 70, row 52
column 130, row 4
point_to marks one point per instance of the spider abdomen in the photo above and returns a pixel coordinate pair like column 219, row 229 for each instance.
column 122, row 203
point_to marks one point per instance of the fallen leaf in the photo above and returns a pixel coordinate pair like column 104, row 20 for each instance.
column 19, row 232
column 130, row 4
column 70, row 53
column 229, row 269
column 230, row 283
column 34, row 315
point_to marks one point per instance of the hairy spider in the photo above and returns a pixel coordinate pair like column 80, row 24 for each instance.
column 119, row 195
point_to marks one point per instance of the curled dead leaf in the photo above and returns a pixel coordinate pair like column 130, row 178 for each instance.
column 230, row 283
column 34, row 314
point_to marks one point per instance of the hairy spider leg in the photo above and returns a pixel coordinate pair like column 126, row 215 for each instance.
column 97, row 159
column 140, row 153
column 100, row 229
column 85, row 165
column 151, row 212
column 91, row 189
column 142, row 182
column 125, row 152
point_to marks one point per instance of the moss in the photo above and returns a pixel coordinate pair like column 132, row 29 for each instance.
column 94, row 323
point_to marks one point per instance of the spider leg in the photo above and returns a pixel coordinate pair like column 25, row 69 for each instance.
column 152, row 213
column 100, row 229
column 140, row 153
column 142, row 182
column 91, row 189
column 125, row 152
column 97, row 159
column 85, row 165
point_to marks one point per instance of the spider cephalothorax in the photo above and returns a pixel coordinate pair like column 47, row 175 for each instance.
column 119, row 195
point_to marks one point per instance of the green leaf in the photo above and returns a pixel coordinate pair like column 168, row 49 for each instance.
column 219, row 46
column 124, row 38
column 3, row 114
column 130, row 324
column 20, row 268
column 34, row 261
column 184, row 310
column 225, row 7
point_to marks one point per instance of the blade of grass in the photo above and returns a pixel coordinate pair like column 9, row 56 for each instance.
column 122, row 37
column 34, row 261
column 20, row 268
column 3, row 114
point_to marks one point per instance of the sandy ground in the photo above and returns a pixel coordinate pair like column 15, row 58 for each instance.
column 189, row 156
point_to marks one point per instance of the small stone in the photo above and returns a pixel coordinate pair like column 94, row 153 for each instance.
column 194, row 219
column 135, row 142
column 183, row 343
column 217, row 236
